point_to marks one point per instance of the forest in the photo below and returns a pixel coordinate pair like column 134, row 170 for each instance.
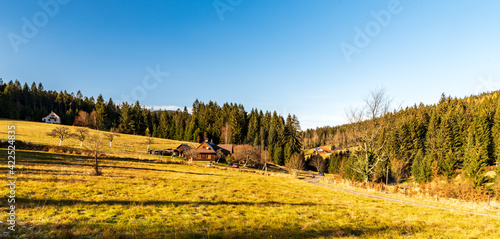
column 423, row 142
column 229, row 123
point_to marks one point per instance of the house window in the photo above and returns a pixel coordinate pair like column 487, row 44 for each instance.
column 209, row 156
column 199, row 156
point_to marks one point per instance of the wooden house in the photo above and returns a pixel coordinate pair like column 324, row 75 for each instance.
column 179, row 151
column 207, row 151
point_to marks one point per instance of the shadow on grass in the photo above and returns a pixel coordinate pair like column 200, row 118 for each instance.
column 76, row 160
column 64, row 172
column 65, row 202
column 202, row 230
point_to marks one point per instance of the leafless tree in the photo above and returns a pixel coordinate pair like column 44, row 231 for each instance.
column 191, row 154
column 60, row 133
column 95, row 144
column 264, row 157
column 318, row 162
column 247, row 153
column 150, row 140
column 81, row 135
column 219, row 155
column 110, row 138
column 226, row 134
column 370, row 121
column 397, row 166
column 93, row 120
column 82, row 119
column 296, row 162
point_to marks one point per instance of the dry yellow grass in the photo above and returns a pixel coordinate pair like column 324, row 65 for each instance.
column 125, row 145
column 58, row 198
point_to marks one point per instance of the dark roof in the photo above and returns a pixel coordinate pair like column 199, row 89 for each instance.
column 185, row 145
column 226, row 148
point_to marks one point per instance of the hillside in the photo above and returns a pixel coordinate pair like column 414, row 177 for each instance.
column 57, row 198
column 425, row 142
column 124, row 145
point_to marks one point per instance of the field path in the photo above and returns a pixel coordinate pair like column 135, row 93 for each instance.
column 315, row 182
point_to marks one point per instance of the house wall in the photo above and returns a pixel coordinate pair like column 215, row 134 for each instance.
column 205, row 157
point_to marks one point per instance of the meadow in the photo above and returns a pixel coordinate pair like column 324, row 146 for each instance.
column 123, row 145
column 58, row 198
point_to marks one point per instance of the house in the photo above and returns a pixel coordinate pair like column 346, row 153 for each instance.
column 320, row 151
column 179, row 151
column 207, row 151
column 52, row 118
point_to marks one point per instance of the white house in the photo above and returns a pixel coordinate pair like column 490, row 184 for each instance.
column 52, row 118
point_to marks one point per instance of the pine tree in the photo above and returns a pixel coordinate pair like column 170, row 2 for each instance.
column 100, row 109
column 126, row 121
column 478, row 148
column 496, row 133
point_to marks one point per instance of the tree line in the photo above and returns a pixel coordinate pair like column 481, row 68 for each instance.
column 229, row 123
column 422, row 142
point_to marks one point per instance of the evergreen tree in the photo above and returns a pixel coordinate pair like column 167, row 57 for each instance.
column 100, row 109
column 496, row 133
column 126, row 121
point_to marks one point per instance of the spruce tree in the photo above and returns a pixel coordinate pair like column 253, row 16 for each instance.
column 496, row 133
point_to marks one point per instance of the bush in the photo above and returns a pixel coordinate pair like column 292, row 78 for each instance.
column 335, row 163
column 296, row 162
column 229, row 159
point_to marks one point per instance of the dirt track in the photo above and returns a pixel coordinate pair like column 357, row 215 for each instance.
column 315, row 182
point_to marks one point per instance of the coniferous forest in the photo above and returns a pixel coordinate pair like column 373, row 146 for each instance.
column 229, row 123
column 452, row 137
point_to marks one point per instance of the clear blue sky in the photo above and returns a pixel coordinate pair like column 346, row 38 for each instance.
column 272, row 55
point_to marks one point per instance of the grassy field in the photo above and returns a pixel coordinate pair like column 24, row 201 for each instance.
column 125, row 145
column 58, row 198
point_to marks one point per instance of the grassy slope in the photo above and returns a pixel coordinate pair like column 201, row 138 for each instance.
column 58, row 198
column 130, row 146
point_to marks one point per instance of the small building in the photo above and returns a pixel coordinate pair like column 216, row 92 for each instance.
column 320, row 151
column 179, row 151
column 52, row 118
column 207, row 151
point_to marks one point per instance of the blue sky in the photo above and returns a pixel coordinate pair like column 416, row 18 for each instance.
column 287, row 56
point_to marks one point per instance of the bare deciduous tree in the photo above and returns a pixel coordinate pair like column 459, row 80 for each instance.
column 60, row 133
column 191, row 154
column 264, row 157
column 219, row 155
column 82, row 119
column 296, row 162
column 318, row 162
column 226, row 134
column 247, row 153
column 111, row 137
column 150, row 140
column 95, row 145
column 371, row 123
column 81, row 135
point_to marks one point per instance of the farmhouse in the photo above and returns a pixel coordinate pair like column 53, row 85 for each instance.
column 52, row 118
column 320, row 151
column 179, row 151
column 208, row 150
